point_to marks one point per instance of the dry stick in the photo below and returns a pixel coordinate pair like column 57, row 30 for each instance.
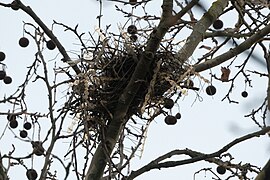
column 49, row 33
column 195, row 156
column 47, row 161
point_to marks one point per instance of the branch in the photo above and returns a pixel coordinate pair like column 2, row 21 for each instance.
column 180, row 14
column 200, row 28
column 268, row 69
column 3, row 173
column 195, row 156
column 233, row 52
column 265, row 173
column 49, row 33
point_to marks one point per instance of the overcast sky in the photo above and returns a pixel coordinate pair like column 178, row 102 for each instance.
column 205, row 126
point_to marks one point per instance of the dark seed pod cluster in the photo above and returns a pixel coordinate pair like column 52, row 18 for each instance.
column 13, row 123
column 132, row 30
column 3, row 75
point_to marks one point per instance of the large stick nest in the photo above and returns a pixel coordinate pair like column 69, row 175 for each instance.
column 106, row 71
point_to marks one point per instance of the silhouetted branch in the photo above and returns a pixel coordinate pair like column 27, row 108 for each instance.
column 195, row 156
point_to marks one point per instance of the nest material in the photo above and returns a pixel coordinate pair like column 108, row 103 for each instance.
column 108, row 72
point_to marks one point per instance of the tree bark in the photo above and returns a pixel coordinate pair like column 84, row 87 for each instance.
column 265, row 172
column 104, row 150
column 3, row 174
column 200, row 28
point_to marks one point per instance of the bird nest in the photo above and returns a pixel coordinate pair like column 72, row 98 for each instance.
column 107, row 69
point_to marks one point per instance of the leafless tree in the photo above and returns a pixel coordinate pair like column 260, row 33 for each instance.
column 122, row 80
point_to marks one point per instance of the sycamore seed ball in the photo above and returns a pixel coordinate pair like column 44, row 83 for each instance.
column 2, row 56
column 31, row 174
column 23, row 42
column 244, row 94
column 221, row 169
column 13, row 124
column 11, row 117
column 2, row 74
column 211, row 90
column 7, row 79
column 178, row 116
column 27, row 125
column 50, row 45
column 132, row 29
column 218, row 24
column 133, row 37
column 170, row 120
column 168, row 103
column 132, row 2
column 23, row 134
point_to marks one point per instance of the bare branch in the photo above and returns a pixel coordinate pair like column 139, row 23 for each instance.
column 195, row 156
column 200, row 28
column 233, row 52
column 49, row 33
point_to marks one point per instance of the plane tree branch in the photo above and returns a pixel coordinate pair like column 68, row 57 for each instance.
column 195, row 156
